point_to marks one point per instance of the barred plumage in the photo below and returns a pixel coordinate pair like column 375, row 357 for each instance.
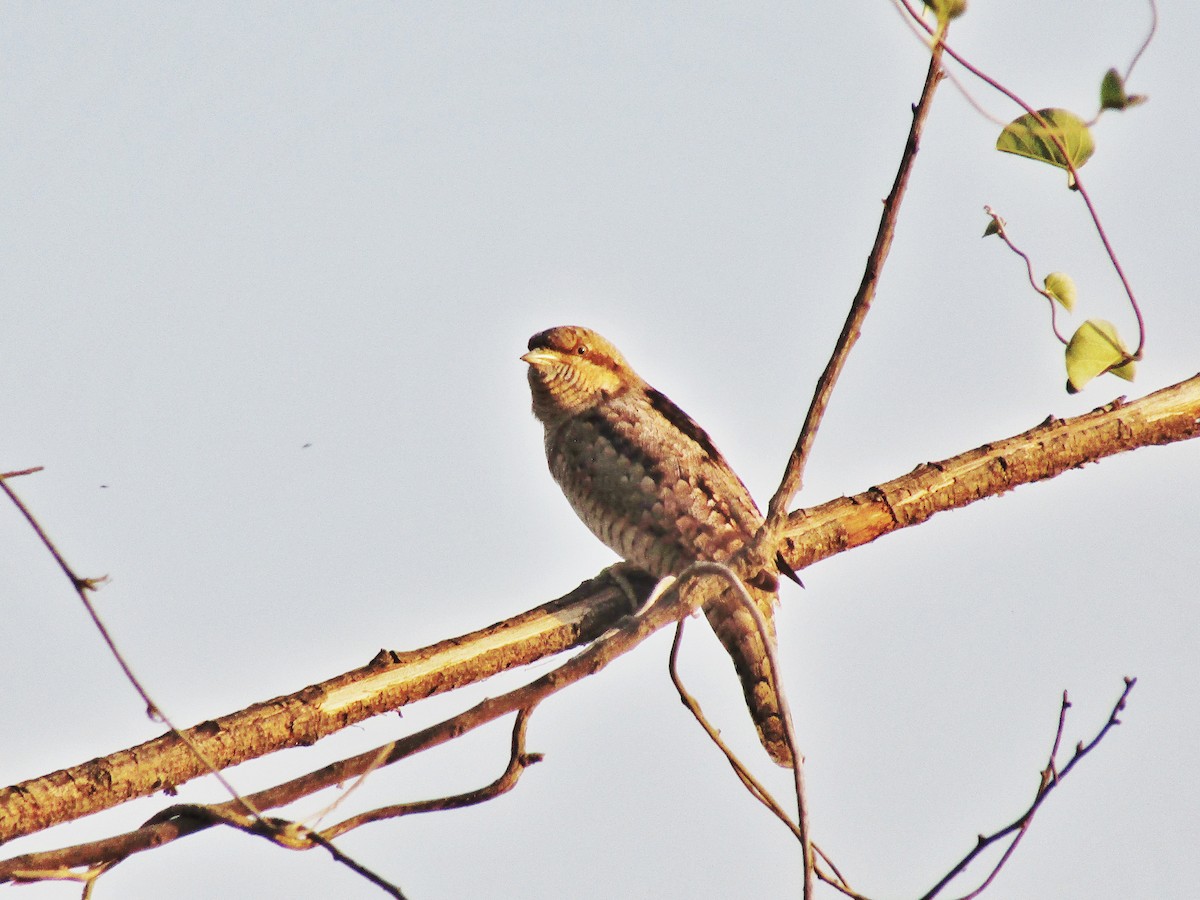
column 648, row 481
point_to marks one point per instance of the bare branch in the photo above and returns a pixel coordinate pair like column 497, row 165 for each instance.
column 1046, row 451
column 395, row 679
column 793, row 477
column 1049, row 779
column 178, row 821
column 84, row 585
column 752, row 784
column 518, row 762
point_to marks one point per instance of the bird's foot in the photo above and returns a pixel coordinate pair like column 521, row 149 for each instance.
column 623, row 575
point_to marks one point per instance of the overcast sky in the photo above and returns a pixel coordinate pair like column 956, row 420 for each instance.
column 231, row 230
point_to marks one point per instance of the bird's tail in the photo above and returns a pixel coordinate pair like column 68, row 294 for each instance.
column 735, row 628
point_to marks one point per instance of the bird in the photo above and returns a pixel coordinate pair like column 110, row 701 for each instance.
column 649, row 483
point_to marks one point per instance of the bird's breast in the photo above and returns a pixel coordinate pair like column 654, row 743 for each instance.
column 653, row 500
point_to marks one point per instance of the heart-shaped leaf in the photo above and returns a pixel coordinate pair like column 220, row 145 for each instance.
column 1096, row 348
column 1061, row 287
column 1026, row 136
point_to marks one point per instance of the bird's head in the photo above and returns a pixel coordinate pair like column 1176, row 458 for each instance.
column 571, row 370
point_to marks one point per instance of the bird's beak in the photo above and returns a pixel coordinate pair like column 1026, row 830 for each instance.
column 538, row 357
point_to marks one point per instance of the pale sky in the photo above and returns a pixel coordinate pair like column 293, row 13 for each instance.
column 233, row 229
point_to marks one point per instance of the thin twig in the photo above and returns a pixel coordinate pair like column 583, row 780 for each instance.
column 357, row 867
column 793, row 478
column 280, row 832
column 1146, row 43
column 753, row 785
column 838, row 883
column 518, row 762
column 1049, row 779
column 82, row 586
column 701, row 569
column 359, row 781
column 20, row 472
column 925, row 35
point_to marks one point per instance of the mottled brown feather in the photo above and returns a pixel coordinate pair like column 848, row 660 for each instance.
column 649, row 482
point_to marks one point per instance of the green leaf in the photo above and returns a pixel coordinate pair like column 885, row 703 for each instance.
column 1126, row 371
column 1112, row 92
column 1060, row 286
column 993, row 227
column 945, row 10
column 1096, row 348
column 1026, row 136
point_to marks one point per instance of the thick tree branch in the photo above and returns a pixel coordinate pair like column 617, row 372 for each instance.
column 179, row 821
column 395, row 679
column 1169, row 415
column 391, row 680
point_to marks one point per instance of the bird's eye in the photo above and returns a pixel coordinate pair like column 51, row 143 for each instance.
column 582, row 350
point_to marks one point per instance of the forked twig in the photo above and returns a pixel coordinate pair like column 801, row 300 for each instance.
column 178, row 822
column 1051, row 777
column 701, row 569
column 519, row 761
column 280, row 832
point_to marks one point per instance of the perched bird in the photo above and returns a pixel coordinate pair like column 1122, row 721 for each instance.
column 647, row 481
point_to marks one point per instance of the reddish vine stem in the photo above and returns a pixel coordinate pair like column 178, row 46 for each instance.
column 1146, row 43
column 1002, row 233
column 1077, row 184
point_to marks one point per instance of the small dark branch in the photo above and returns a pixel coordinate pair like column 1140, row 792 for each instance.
column 720, row 570
column 518, row 762
column 362, row 870
column 281, row 832
column 793, row 478
column 752, row 784
column 82, row 586
column 1049, row 779
column 20, row 472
